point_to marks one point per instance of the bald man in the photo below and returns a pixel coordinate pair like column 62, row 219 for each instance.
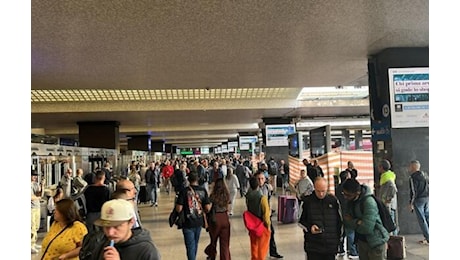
column 126, row 186
column 323, row 220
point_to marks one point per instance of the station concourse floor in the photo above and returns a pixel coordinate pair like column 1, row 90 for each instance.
column 288, row 237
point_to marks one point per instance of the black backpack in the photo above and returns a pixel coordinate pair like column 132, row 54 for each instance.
column 384, row 213
column 272, row 167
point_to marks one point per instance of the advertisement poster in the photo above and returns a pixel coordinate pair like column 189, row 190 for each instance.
column 409, row 97
column 246, row 142
column 277, row 135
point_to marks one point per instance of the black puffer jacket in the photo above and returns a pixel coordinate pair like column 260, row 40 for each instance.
column 325, row 213
column 418, row 184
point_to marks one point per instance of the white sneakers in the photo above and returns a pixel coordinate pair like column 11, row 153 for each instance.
column 353, row 256
column 36, row 249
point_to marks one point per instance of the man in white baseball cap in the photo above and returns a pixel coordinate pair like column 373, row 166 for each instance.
column 118, row 240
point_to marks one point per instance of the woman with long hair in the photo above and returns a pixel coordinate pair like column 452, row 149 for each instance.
column 64, row 240
column 218, row 221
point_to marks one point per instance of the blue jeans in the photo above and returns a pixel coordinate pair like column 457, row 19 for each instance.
column 421, row 208
column 351, row 246
column 191, row 239
column 393, row 217
column 153, row 192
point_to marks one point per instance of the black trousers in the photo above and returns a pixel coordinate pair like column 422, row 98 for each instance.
column 273, row 250
column 319, row 256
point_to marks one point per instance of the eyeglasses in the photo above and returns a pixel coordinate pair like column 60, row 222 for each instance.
column 128, row 189
column 348, row 194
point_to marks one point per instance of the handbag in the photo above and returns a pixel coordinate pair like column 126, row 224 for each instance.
column 46, row 250
column 253, row 223
column 176, row 218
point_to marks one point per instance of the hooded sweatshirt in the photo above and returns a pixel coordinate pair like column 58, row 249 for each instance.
column 138, row 247
column 388, row 189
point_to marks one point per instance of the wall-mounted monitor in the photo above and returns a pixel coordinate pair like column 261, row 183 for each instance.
column 246, row 142
column 293, row 145
column 320, row 141
column 297, row 143
column 277, row 135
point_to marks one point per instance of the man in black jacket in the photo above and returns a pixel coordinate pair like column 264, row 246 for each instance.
column 419, row 198
column 118, row 240
column 321, row 216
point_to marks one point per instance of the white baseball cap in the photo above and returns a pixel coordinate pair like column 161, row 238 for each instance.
column 115, row 212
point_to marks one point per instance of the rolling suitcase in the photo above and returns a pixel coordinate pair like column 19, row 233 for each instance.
column 287, row 209
column 143, row 195
column 396, row 247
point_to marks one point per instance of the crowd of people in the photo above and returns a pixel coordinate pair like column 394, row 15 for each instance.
column 205, row 190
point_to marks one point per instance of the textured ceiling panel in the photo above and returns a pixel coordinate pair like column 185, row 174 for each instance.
column 149, row 46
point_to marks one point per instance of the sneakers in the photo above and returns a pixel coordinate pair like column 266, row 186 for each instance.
column 277, row 256
column 353, row 256
column 424, row 242
column 156, row 204
column 341, row 254
column 34, row 250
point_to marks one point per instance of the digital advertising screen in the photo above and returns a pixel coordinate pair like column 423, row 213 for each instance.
column 294, row 148
column 246, row 142
column 409, row 97
column 277, row 135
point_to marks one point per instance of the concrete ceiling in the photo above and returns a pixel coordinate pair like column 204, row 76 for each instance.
column 211, row 45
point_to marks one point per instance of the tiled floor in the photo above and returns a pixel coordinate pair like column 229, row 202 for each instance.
column 289, row 237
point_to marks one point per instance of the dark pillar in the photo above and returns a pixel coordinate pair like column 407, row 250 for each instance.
column 139, row 142
column 277, row 152
column 358, row 139
column 346, row 135
column 402, row 144
column 99, row 134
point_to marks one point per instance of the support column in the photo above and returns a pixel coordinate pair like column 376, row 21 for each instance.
column 277, row 152
column 358, row 139
column 346, row 135
column 402, row 144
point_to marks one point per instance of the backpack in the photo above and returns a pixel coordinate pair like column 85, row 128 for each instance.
column 384, row 213
column 272, row 167
column 194, row 205
column 202, row 178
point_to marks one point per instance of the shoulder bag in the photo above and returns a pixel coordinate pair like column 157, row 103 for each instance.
column 44, row 253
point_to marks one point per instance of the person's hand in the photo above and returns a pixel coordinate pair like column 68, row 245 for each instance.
column 411, row 208
column 111, row 253
column 347, row 217
column 316, row 230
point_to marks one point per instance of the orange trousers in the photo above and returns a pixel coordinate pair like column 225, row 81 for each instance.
column 259, row 245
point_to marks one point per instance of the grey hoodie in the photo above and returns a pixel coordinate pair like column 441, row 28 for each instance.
column 138, row 247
